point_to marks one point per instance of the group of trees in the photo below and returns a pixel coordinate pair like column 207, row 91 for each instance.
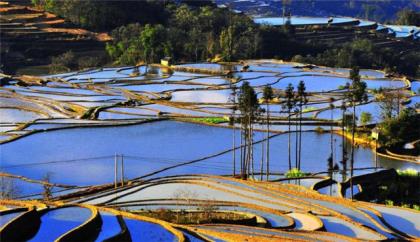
column 250, row 112
column 69, row 61
column 355, row 94
column 293, row 102
column 192, row 34
column 408, row 17
column 198, row 30
column 363, row 53
column 397, row 130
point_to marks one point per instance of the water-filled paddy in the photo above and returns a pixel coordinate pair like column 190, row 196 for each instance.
column 300, row 20
column 68, row 218
column 9, row 115
column 6, row 218
column 146, row 231
column 208, row 96
column 152, row 146
column 110, row 226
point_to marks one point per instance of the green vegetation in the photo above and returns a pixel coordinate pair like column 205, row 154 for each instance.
column 394, row 132
column 301, row 99
column 69, row 61
column 295, row 173
column 356, row 94
column 408, row 172
column 365, row 118
column 362, row 53
column 289, row 105
column 319, row 130
column 192, row 34
column 268, row 96
column 145, row 31
column 211, row 120
column 309, row 109
column 408, row 17
column 250, row 110
column 401, row 191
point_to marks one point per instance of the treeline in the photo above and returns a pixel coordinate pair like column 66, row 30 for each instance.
column 192, row 34
column 146, row 31
column 408, row 17
column 186, row 30
column 363, row 53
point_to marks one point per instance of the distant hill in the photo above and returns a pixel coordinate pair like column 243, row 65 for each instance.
column 377, row 10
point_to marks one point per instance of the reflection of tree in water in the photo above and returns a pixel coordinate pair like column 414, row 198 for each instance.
column 346, row 149
column 9, row 189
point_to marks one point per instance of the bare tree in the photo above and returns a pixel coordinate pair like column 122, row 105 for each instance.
column 8, row 188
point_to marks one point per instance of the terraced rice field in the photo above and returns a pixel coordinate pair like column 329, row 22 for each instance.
column 165, row 125
column 282, row 212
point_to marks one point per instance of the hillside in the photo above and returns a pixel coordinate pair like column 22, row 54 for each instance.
column 30, row 37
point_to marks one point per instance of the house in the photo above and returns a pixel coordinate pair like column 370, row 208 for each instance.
column 375, row 133
column 167, row 61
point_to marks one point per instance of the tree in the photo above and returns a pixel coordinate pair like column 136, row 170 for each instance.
column 289, row 105
column 249, row 108
column 408, row 17
column 153, row 40
column 268, row 97
column 365, row 118
column 389, row 102
column 356, row 95
column 401, row 129
column 233, row 120
column 331, row 158
column 302, row 100
column 47, row 187
column 343, row 139
column 239, row 40
column 8, row 188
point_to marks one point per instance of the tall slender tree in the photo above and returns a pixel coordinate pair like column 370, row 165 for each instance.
column 356, row 95
column 343, row 139
column 331, row 158
column 232, row 121
column 249, row 108
column 302, row 100
column 289, row 105
column 268, row 96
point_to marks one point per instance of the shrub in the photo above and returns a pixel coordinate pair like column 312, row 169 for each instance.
column 211, row 120
column 88, row 62
column 408, row 172
column 63, row 62
column 295, row 173
column 319, row 130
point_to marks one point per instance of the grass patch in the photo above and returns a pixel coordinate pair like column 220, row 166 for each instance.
column 309, row 109
column 211, row 120
column 295, row 173
column 408, row 172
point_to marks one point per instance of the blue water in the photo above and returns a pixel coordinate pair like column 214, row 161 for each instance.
column 152, row 146
column 145, row 231
column 4, row 219
column 336, row 227
column 56, row 222
column 110, row 226
column 300, row 20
